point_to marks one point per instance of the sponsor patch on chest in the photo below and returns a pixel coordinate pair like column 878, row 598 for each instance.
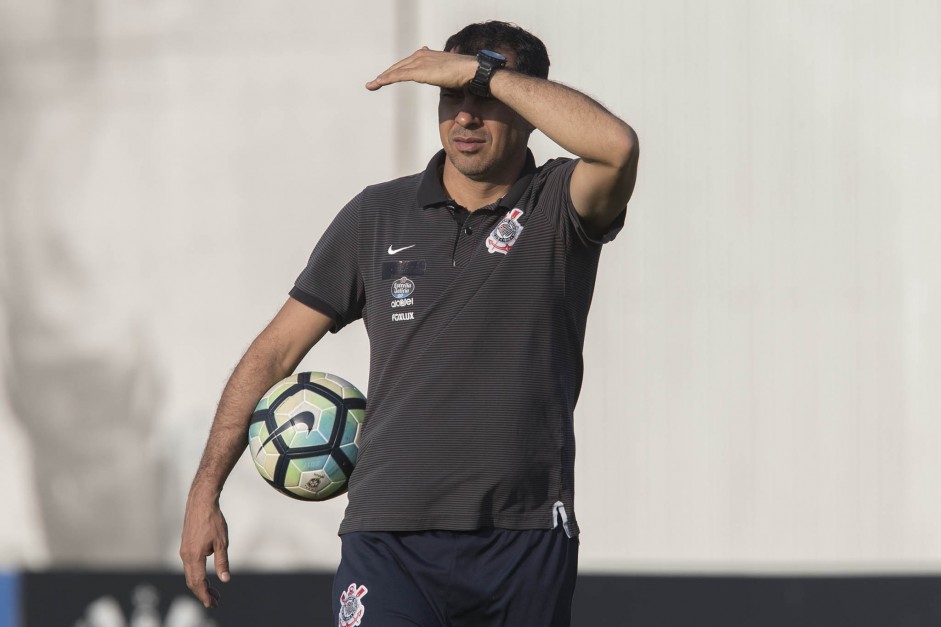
column 402, row 290
column 506, row 233
column 403, row 287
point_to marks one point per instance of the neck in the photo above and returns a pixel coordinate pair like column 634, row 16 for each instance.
column 473, row 194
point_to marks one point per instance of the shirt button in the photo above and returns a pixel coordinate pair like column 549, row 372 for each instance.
column 468, row 230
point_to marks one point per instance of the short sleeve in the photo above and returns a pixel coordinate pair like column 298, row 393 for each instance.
column 332, row 282
column 558, row 178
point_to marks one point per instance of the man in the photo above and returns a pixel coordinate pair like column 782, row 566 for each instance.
column 474, row 280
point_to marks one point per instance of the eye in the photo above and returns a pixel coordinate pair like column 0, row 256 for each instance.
column 451, row 94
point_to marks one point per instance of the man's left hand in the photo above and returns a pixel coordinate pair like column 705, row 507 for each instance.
column 432, row 67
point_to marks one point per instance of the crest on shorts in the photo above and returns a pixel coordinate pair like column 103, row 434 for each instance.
column 351, row 606
column 507, row 232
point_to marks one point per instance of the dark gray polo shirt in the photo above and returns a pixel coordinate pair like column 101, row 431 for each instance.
column 476, row 322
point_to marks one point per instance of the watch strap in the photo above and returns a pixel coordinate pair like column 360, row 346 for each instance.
column 488, row 63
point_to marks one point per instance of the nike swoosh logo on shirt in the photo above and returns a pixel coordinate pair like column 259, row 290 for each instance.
column 392, row 251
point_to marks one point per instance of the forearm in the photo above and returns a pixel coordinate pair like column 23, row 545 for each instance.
column 568, row 117
column 273, row 355
column 256, row 372
column 601, row 183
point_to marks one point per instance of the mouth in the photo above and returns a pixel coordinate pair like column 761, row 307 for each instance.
column 465, row 143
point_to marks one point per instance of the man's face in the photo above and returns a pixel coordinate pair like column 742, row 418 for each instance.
column 481, row 136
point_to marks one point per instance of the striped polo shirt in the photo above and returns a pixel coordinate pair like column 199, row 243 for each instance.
column 476, row 322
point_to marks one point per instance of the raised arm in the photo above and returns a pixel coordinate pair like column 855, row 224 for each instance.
column 604, row 179
column 273, row 355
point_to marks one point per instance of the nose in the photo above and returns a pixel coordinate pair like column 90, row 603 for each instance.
column 468, row 114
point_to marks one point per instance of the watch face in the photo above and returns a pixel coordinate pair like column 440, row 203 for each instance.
column 496, row 56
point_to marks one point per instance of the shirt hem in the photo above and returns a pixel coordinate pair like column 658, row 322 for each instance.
column 411, row 523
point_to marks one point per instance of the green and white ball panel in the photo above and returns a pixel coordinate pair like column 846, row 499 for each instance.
column 314, row 478
column 265, row 458
column 350, row 441
column 277, row 390
column 343, row 388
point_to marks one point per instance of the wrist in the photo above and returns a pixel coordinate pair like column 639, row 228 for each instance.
column 489, row 63
column 204, row 492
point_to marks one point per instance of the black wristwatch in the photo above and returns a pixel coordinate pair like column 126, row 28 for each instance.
column 488, row 62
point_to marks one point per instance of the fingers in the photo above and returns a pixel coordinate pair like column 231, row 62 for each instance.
column 205, row 533
column 198, row 582
column 208, row 595
column 382, row 79
column 387, row 77
column 403, row 70
column 374, row 84
column 216, row 598
column 195, row 573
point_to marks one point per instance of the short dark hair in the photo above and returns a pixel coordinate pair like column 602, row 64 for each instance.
column 531, row 55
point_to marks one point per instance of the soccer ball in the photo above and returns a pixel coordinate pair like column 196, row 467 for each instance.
column 304, row 435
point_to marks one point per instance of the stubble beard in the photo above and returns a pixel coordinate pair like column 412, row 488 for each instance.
column 475, row 168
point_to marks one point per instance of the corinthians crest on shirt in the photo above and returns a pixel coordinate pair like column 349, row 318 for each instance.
column 503, row 237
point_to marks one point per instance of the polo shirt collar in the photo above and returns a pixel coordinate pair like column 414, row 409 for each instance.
column 431, row 192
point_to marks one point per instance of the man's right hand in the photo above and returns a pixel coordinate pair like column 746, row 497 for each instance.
column 205, row 533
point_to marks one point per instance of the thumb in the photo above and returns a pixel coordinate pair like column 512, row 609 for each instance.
column 221, row 559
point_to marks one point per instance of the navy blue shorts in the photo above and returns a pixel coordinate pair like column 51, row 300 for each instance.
column 483, row 578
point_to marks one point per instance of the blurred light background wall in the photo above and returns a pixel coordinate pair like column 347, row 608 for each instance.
column 764, row 350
